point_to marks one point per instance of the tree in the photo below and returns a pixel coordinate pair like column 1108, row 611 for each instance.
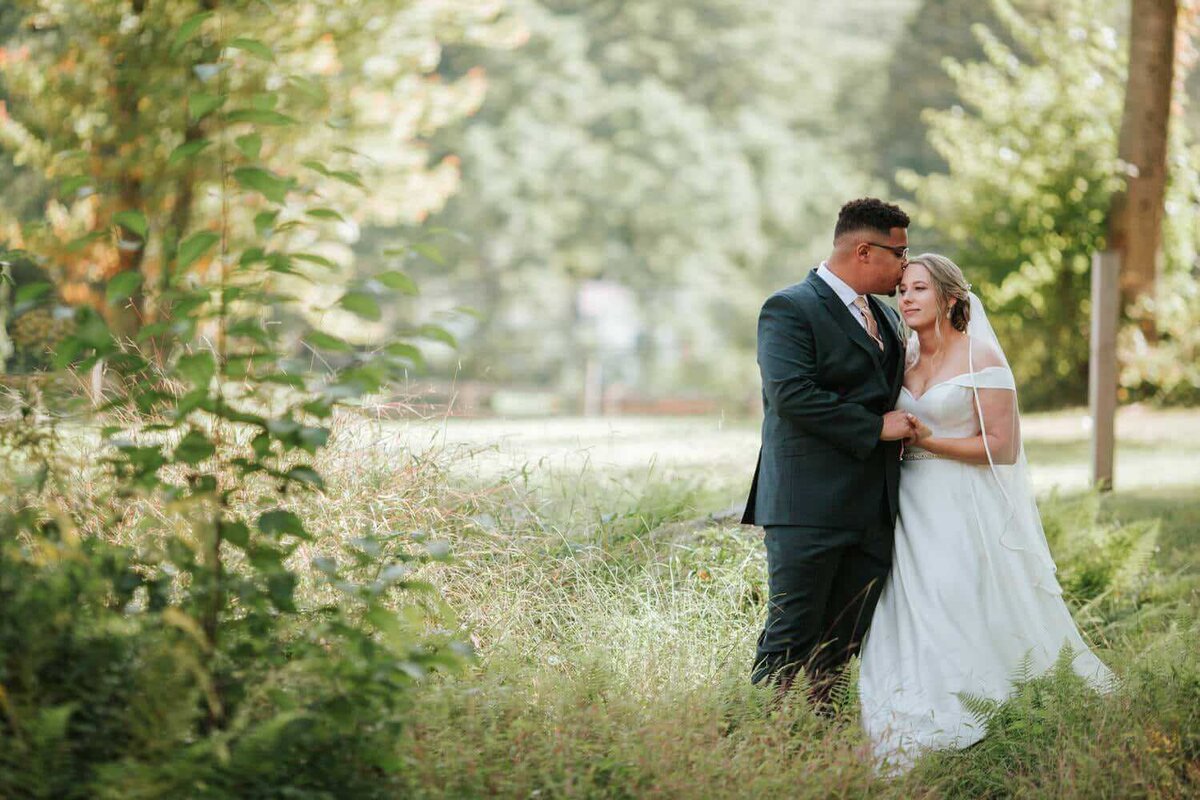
column 165, row 570
column 1135, row 220
column 917, row 80
column 107, row 105
column 685, row 151
column 1031, row 156
column 1159, row 354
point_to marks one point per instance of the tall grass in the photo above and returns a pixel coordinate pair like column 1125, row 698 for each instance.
column 614, row 634
column 613, row 622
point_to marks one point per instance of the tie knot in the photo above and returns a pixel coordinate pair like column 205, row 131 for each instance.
column 861, row 302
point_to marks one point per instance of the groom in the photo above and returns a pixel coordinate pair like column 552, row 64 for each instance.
column 825, row 488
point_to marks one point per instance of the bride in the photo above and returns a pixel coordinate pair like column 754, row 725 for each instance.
column 972, row 593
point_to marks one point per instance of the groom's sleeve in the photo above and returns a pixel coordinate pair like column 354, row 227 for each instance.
column 788, row 361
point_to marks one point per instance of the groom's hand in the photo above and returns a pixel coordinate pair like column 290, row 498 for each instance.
column 897, row 425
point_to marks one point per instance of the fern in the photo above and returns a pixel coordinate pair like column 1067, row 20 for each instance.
column 982, row 709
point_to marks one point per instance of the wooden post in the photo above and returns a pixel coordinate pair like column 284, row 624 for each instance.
column 1102, row 366
column 593, row 386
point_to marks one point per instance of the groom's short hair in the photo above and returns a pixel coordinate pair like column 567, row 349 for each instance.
column 869, row 213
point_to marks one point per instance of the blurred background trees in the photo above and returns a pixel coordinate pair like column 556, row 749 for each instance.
column 1032, row 171
column 612, row 187
column 106, row 128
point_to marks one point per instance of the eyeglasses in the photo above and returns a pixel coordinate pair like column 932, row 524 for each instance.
column 899, row 252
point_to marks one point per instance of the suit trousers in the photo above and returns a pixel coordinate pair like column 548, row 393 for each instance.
column 823, row 585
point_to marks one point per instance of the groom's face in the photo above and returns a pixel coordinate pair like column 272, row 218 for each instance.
column 885, row 265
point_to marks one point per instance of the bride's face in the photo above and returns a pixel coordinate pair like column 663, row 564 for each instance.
column 918, row 297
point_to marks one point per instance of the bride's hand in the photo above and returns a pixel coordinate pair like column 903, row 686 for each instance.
column 920, row 430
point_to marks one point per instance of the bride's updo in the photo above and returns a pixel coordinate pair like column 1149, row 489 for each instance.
column 949, row 285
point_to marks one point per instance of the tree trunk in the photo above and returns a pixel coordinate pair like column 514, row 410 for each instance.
column 1135, row 221
column 129, row 317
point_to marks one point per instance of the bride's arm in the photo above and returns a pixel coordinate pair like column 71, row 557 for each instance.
column 1003, row 434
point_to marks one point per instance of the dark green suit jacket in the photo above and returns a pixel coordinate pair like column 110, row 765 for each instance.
column 826, row 387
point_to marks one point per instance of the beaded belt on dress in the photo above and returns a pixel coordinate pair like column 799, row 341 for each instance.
column 917, row 454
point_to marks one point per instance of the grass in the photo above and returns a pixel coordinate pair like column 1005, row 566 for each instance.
column 613, row 607
column 1179, row 510
column 614, row 626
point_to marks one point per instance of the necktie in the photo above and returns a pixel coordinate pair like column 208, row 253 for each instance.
column 869, row 318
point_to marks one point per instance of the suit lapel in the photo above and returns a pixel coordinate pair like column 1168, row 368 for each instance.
column 846, row 320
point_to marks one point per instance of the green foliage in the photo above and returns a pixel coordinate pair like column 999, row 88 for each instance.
column 1022, row 205
column 114, row 688
column 1165, row 368
column 687, row 152
column 122, row 106
column 1032, row 168
column 1099, row 559
column 615, row 666
column 153, row 642
column 917, row 81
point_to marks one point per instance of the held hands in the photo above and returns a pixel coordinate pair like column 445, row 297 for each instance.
column 901, row 425
column 897, row 425
column 920, row 431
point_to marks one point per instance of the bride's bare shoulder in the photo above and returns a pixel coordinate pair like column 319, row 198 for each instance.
column 984, row 354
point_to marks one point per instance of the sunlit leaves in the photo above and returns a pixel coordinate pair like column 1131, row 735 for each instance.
column 394, row 279
column 194, row 247
column 437, row 333
column 80, row 243
column 201, row 104
column 429, row 251
column 194, row 448
column 313, row 258
column 253, row 47
column 309, row 89
column 30, row 293
column 71, row 185
column 122, row 286
column 405, row 351
column 219, row 399
column 189, row 29
column 259, row 116
column 187, row 151
column 272, row 186
column 236, row 533
column 281, row 522
column 197, row 368
column 324, row 341
column 133, row 220
column 361, row 303
column 345, row 176
column 425, row 249
column 264, row 221
column 307, row 476
column 250, row 146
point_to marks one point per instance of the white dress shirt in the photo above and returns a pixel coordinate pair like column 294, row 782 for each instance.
column 842, row 290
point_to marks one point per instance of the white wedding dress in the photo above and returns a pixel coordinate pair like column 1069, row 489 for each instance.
column 972, row 593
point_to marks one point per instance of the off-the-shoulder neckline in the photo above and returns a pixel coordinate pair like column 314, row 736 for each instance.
column 948, row 380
